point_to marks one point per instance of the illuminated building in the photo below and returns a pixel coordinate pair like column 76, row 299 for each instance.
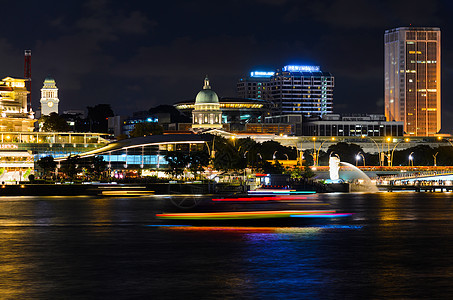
column 20, row 147
column 13, row 106
column 302, row 90
column 412, row 79
column 254, row 86
column 237, row 112
column 352, row 125
column 49, row 97
column 206, row 113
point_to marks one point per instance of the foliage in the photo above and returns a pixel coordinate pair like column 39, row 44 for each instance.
column 307, row 172
column 98, row 117
column 48, row 164
column 54, row 123
column 95, row 166
column 71, row 166
column 143, row 129
column 346, row 151
column 177, row 162
column 198, row 161
column 270, row 148
column 270, row 168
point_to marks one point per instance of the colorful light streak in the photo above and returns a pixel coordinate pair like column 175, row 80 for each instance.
column 244, row 215
column 271, row 198
column 279, row 192
column 335, row 215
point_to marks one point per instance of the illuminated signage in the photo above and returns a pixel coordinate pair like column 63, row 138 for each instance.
column 8, row 146
column 301, row 68
column 261, row 74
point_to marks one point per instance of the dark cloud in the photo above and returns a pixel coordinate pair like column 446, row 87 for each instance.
column 138, row 54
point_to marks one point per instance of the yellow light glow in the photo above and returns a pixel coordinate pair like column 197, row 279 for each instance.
column 389, row 139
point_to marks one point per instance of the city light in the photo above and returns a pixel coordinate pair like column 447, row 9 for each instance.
column 293, row 68
column 261, row 74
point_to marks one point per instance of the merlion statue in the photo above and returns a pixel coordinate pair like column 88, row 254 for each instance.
column 334, row 166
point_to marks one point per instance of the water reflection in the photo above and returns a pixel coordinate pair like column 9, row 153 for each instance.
column 395, row 245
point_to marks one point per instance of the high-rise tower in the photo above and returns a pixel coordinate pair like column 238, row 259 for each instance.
column 412, row 79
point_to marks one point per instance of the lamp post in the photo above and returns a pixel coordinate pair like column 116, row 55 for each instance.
column 287, row 158
column 273, row 155
column 357, row 158
column 435, row 159
column 377, row 146
column 246, row 164
column 314, row 150
column 411, row 159
column 391, row 155
column 317, row 153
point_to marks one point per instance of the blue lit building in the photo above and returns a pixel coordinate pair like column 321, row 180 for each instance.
column 293, row 89
column 148, row 152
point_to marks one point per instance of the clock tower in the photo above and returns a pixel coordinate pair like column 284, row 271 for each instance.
column 49, row 97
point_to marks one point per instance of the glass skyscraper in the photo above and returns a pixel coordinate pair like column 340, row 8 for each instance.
column 293, row 89
column 412, row 79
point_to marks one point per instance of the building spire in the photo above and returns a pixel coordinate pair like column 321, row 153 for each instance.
column 206, row 83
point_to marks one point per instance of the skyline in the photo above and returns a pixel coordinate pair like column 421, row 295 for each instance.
column 135, row 57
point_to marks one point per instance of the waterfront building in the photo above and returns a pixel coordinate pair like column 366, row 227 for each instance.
column 14, row 114
column 352, row 125
column 293, row 89
column 412, row 79
column 206, row 113
column 237, row 112
column 147, row 153
column 49, row 97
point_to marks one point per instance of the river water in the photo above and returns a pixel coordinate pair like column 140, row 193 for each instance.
column 397, row 245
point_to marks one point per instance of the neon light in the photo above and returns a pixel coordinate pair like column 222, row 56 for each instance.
column 261, row 74
column 292, row 68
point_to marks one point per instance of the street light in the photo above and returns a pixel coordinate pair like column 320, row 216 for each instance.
column 357, row 158
column 435, row 160
column 391, row 155
column 317, row 153
column 273, row 155
column 411, row 159
column 287, row 158
column 377, row 146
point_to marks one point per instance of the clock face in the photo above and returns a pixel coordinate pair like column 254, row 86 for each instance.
column 50, row 104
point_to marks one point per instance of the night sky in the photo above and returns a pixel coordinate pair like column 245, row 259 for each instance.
column 138, row 54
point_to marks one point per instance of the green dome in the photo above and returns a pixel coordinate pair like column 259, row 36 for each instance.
column 49, row 79
column 206, row 95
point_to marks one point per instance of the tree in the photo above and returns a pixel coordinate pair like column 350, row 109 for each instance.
column 54, row 123
column 71, row 166
column 96, row 165
column 198, row 161
column 98, row 117
column 346, row 151
column 143, row 129
column 48, row 164
column 177, row 162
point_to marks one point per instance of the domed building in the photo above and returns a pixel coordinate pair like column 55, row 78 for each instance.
column 206, row 113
